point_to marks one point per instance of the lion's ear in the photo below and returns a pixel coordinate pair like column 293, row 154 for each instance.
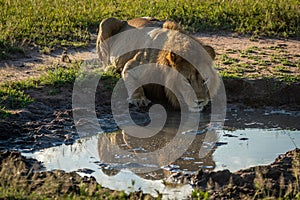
column 172, row 26
column 210, row 51
column 173, row 58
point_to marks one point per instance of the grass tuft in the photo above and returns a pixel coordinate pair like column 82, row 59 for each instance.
column 197, row 194
column 4, row 113
column 13, row 98
column 13, row 94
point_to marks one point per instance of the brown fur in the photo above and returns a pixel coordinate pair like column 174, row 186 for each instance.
column 205, row 85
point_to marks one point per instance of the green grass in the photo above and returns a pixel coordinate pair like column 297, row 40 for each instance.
column 7, row 50
column 110, row 78
column 13, row 94
column 292, row 189
column 230, row 75
column 264, row 62
column 13, row 98
column 57, row 77
column 199, row 195
column 65, row 23
column 60, row 76
column 4, row 113
column 226, row 60
column 23, row 192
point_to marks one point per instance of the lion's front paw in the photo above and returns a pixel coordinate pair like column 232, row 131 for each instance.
column 196, row 109
column 198, row 105
column 139, row 102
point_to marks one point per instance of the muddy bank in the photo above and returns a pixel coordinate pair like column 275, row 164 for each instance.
column 279, row 179
column 23, row 176
column 263, row 92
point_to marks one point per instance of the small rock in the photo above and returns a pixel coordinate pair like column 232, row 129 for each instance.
column 221, row 143
column 65, row 58
column 86, row 171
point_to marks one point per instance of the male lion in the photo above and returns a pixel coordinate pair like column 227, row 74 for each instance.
column 176, row 47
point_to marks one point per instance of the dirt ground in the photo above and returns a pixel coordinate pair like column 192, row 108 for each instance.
column 34, row 63
column 258, row 54
column 48, row 120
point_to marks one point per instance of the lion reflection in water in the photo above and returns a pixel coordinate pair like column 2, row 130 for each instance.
column 109, row 146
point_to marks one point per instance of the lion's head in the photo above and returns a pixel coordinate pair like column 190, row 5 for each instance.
column 204, row 87
column 185, row 54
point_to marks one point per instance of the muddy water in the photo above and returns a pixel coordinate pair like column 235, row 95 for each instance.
column 121, row 161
